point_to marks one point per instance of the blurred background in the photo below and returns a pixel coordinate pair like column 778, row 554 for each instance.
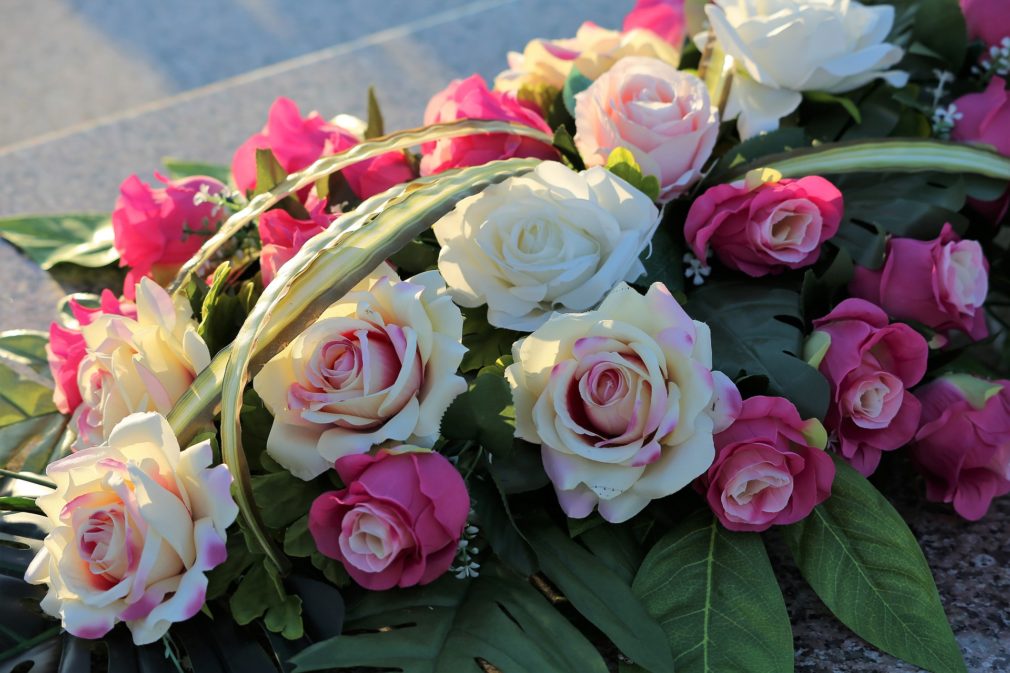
column 95, row 90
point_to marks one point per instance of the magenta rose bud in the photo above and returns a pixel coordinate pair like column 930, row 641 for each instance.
column 470, row 99
column 770, row 467
column 156, row 230
column 940, row 283
column 988, row 20
column 665, row 18
column 765, row 229
column 284, row 235
column 398, row 522
column 66, row 348
column 870, row 365
column 963, row 444
column 986, row 120
column 298, row 141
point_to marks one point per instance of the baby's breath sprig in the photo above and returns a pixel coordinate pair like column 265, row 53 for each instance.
column 466, row 565
column 995, row 62
column 696, row 269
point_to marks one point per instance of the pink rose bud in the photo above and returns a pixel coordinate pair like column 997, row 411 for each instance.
column 940, row 283
column 298, row 141
column 963, row 445
column 156, row 230
column 770, row 467
column 765, row 229
column 470, row 99
column 283, row 236
column 988, row 20
column 66, row 347
column 662, row 115
column 986, row 120
column 663, row 17
column 399, row 520
column 870, row 365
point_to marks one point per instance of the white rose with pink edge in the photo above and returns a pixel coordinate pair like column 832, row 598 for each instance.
column 137, row 524
column 379, row 365
column 622, row 401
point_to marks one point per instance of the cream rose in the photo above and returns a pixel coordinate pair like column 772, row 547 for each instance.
column 662, row 115
column 622, row 400
column 551, row 240
column 379, row 365
column 132, row 365
column 136, row 525
column 784, row 47
column 593, row 51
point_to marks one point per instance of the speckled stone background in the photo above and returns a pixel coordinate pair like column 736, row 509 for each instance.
column 94, row 90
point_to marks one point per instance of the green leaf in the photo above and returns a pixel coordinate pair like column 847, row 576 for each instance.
column 664, row 258
column 81, row 239
column 602, row 598
column 484, row 413
column 283, row 498
column 25, row 347
column 494, row 518
column 446, row 626
column 269, row 174
column 715, row 594
column 518, row 470
column 22, row 398
column 418, row 256
column 940, row 26
column 298, row 540
column 621, row 163
column 756, row 330
column 261, row 594
column 846, row 103
column 181, row 168
column 375, row 126
column 31, row 444
column 484, row 342
column 860, row 557
column 575, row 83
column 222, row 312
column 887, row 155
column 14, row 503
column 779, row 141
column 565, row 143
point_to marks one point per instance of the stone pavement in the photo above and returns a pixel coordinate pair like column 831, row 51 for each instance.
column 98, row 89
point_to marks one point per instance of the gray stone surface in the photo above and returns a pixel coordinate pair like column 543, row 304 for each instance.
column 106, row 88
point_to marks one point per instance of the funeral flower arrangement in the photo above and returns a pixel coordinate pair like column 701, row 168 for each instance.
column 526, row 389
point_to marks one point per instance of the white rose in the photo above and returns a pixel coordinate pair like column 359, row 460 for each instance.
column 622, row 400
column 379, row 365
column 137, row 524
column 784, row 47
column 551, row 240
column 593, row 51
column 662, row 115
column 133, row 365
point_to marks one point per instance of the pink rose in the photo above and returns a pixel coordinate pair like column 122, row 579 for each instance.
column 470, row 99
column 870, row 365
column 296, row 142
column 986, row 120
column 770, row 467
column 283, row 236
column 663, row 17
column 66, row 347
column 963, row 444
column 156, row 230
column 940, row 283
column 662, row 115
column 768, row 229
column 399, row 520
column 988, row 20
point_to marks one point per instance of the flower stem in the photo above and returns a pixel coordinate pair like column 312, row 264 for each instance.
column 27, row 477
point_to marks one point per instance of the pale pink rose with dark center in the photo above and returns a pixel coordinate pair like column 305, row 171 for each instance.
column 398, row 521
column 770, row 467
column 137, row 524
column 871, row 365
